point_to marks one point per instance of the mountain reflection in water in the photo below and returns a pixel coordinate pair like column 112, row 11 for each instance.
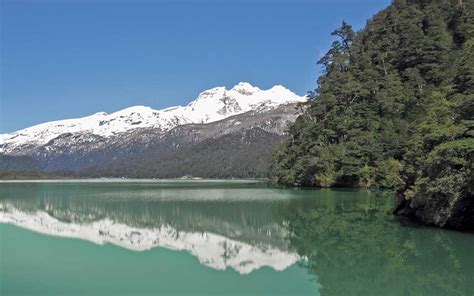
column 347, row 240
column 211, row 223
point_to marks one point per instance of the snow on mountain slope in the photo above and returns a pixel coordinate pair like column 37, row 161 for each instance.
column 211, row 105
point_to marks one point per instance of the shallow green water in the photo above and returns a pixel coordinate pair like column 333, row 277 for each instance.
column 219, row 238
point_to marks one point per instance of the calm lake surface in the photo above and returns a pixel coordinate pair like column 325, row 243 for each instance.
column 178, row 237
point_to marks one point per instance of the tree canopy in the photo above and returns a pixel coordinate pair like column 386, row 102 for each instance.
column 394, row 107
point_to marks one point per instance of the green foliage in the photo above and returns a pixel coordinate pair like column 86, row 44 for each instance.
column 24, row 167
column 394, row 107
column 238, row 155
column 18, row 163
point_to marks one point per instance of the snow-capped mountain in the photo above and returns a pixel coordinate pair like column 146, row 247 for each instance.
column 211, row 105
column 222, row 133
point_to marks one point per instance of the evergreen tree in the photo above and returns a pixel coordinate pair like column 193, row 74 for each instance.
column 394, row 108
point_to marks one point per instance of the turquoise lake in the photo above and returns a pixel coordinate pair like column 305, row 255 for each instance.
column 200, row 237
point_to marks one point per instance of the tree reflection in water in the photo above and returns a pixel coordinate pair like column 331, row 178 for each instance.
column 356, row 247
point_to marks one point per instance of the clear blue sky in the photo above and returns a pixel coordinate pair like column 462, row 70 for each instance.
column 71, row 58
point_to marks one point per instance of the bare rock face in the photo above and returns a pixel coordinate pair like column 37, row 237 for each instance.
column 444, row 197
column 453, row 213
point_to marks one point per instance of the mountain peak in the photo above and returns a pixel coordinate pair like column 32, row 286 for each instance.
column 212, row 92
column 279, row 87
column 245, row 88
column 211, row 105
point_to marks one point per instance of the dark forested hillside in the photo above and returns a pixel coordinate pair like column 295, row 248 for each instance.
column 244, row 154
column 22, row 167
column 18, row 163
column 394, row 108
column 238, row 146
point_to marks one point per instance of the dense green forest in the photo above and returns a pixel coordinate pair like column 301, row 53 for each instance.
column 394, row 109
column 25, row 167
column 238, row 155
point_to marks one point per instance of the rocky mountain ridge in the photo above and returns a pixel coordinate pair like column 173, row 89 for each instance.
column 211, row 105
column 239, row 127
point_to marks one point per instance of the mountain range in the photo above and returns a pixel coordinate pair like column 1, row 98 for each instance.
column 222, row 133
